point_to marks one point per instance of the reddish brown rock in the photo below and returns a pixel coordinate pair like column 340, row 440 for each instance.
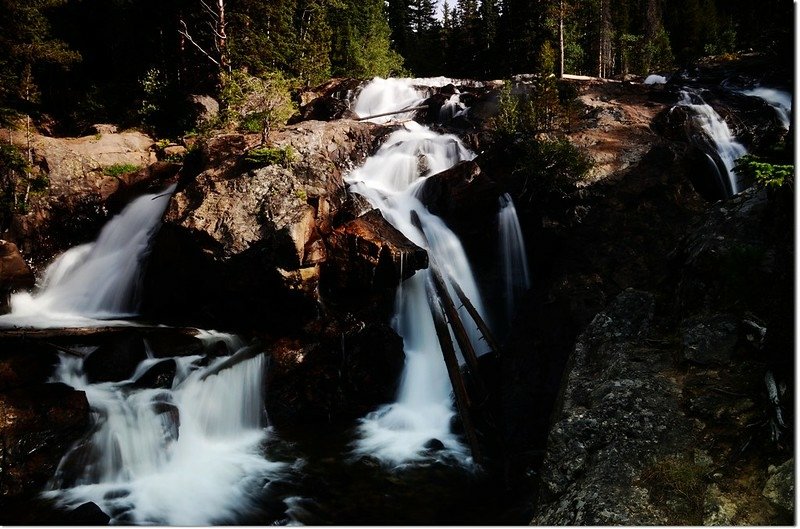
column 368, row 251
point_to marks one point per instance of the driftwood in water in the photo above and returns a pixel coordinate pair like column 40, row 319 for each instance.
column 421, row 107
column 244, row 354
column 459, row 388
column 482, row 327
column 66, row 350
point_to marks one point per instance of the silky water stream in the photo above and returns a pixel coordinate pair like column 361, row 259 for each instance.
column 199, row 449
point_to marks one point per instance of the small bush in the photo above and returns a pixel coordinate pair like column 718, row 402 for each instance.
column 257, row 104
column 678, row 483
column 262, row 156
column 118, row 169
column 764, row 174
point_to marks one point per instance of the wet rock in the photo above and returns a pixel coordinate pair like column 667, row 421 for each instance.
column 115, row 361
column 159, row 375
column 779, row 489
column 340, row 376
column 37, row 426
column 15, row 274
column 710, row 340
column 23, row 364
column 170, row 418
column 86, row 514
column 434, row 445
column 368, row 252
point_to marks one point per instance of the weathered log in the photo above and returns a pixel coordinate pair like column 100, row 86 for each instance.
column 421, row 107
column 482, row 326
column 66, row 350
column 99, row 332
column 460, row 332
column 459, row 388
column 242, row 355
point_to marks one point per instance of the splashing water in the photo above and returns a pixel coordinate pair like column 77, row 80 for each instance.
column 728, row 149
column 390, row 179
column 95, row 281
column 185, row 456
column 512, row 254
column 778, row 99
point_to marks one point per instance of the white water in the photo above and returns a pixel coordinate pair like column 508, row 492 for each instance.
column 138, row 471
column 778, row 99
column 423, row 410
column 98, row 280
column 512, row 254
column 718, row 132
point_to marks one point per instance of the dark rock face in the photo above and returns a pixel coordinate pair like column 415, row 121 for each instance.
column 340, row 376
column 38, row 423
column 710, row 340
column 115, row 361
column 616, row 411
column 23, row 364
column 158, row 376
column 368, row 251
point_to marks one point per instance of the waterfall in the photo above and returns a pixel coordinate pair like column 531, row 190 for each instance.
column 98, row 280
column 188, row 455
column 778, row 99
column 390, row 179
column 715, row 128
column 512, row 254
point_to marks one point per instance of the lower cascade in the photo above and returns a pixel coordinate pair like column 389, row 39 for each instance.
column 188, row 455
column 97, row 280
column 390, row 180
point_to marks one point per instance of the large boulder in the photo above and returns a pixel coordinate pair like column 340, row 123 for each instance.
column 252, row 237
column 370, row 251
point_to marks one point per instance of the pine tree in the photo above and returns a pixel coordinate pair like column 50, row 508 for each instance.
column 313, row 59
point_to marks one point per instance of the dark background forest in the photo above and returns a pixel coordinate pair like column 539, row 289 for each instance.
column 134, row 62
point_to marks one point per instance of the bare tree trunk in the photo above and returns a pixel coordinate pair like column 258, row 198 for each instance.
column 560, row 39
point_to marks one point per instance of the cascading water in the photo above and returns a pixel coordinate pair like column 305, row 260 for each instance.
column 189, row 455
column 778, row 99
column 98, row 280
column 727, row 148
column 390, row 179
column 512, row 254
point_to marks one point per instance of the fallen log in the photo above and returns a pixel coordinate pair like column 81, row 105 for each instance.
column 81, row 332
column 482, row 326
column 459, row 388
column 421, row 107
column 242, row 355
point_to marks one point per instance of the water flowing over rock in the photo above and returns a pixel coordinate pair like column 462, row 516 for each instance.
column 96, row 280
column 135, row 462
column 391, row 180
column 512, row 254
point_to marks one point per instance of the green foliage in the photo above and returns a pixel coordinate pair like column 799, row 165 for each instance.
column 256, row 104
column 529, row 112
column 119, row 169
column 262, row 156
column 763, row 173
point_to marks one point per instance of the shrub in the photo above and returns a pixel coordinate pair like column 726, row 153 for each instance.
column 763, row 173
column 262, row 156
column 119, row 169
column 256, row 104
